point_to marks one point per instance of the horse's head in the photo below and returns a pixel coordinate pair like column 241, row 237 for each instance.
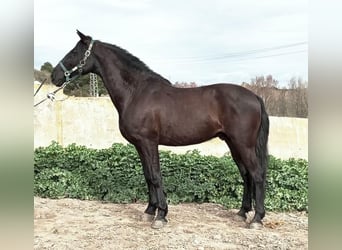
column 77, row 62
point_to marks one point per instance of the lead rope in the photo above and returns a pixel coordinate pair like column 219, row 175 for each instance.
column 50, row 95
column 40, row 87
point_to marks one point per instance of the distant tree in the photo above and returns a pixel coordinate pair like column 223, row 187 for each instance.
column 291, row 101
column 41, row 76
column 80, row 87
column 281, row 109
column 263, row 87
column 46, row 67
column 299, row 97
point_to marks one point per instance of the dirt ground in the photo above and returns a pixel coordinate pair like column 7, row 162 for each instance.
column 74, row 224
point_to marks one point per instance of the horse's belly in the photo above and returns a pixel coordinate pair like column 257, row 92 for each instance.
column 182, row 136
column 182, row 141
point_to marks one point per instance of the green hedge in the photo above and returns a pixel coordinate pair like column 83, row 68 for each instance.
column 115, row 174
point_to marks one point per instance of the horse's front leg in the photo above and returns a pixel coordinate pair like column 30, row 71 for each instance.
column 149, row 155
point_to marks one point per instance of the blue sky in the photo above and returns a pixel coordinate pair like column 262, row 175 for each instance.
column 194, row 41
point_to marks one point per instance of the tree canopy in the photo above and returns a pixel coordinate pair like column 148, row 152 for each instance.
column 46, row 67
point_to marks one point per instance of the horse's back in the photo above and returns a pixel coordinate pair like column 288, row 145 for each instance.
column 241, row 98
column 236, row 109
column 230, row 99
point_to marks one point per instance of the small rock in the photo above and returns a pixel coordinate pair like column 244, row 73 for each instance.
column 217, row 237
column 196, row 242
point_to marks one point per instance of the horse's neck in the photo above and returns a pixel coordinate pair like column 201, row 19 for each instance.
column 119, row 90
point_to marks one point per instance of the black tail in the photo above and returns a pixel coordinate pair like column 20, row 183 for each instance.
column 261, row 149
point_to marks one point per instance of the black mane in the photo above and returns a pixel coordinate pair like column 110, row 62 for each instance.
column 132, row 61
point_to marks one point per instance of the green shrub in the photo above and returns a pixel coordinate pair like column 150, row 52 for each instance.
column 115, row 174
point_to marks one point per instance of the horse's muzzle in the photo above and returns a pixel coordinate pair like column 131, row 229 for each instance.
column 57, row 78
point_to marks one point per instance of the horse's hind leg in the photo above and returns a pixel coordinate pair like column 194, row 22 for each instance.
column 254, row 180
column 247, row 191
column 247, row 182
column 252, row 165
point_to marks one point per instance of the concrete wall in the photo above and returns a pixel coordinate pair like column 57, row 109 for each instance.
column 93, row 122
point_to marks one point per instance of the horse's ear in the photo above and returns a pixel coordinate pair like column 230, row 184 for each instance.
column 83, row 37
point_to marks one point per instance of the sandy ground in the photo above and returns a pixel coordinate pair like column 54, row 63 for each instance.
column 75, row 224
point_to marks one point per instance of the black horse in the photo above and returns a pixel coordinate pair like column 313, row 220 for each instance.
column 152, row 113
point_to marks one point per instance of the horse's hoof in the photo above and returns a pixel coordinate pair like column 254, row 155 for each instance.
column 158, row 224
column 256, row 225
column 147, row 217
column 239, row 218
